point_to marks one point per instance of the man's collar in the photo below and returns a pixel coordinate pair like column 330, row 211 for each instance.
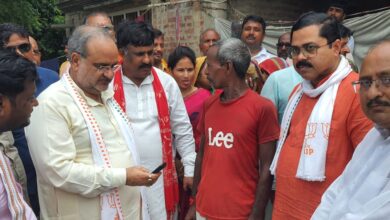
column 262, row 52
column 105, row 95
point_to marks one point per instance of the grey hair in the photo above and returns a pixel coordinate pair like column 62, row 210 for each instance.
column 77, row 43
column 235, row 51
column 205, row 31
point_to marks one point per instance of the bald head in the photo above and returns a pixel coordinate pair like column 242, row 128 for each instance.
column 100, row 19
column 375, row 84
column 283, row 44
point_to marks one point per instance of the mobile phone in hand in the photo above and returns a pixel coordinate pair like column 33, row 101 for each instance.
column 159, row 168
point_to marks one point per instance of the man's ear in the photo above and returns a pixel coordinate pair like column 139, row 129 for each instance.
column 229, row 67
column 74, row 59
column 336, row 46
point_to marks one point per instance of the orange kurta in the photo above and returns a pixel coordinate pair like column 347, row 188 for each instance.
column 296, row 198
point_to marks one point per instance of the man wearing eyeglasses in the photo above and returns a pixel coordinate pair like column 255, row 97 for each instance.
column 17, row 100
column 323, row 122
column 362, row 190
column 283, row 45
column 17, row 38
column 81, row 143
column 35, row 50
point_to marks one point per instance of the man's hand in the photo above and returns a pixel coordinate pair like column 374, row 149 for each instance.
column 191, row 214
column 187, row 183
column 139, row 176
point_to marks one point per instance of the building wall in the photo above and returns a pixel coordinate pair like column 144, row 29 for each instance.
column 272, row 10
column 196, row 16
column 193, row 17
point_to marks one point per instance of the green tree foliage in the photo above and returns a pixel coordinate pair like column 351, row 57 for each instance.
column 36, row 16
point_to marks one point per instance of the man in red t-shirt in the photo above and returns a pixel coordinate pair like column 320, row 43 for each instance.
column 238, row 131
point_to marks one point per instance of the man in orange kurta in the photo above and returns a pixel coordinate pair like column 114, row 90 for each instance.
column 315, row 52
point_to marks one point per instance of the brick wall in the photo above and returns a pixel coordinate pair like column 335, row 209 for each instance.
column 191, row 24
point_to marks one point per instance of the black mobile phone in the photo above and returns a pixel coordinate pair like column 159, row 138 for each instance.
column 159, row 168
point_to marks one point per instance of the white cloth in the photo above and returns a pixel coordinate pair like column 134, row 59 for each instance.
column 362, row 191
column 69, row 182
column 12, row 204
column 142, row 111
column 262, row 55
column 311, row 165
column 111, row 206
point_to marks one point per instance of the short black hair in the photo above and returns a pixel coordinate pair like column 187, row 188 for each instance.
column 179, row 53
column 345, row 31
column 7, row 29
column 343, row 4
column 157, row 33
column 254, row 18
column 15, row 71
column 330, row 27
column 135, row 33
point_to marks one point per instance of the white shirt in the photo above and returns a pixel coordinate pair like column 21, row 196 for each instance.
column 142, row 110
column 262, row 55
column 362, row 191
column 69, row 182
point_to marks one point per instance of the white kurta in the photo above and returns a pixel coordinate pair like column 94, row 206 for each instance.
column 362, row 191
column 69, row 182
column 262, row 55
column 142, row 110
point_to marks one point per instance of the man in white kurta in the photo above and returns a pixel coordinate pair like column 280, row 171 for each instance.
column 363, row 189
column 70, row 180
column 141, row 108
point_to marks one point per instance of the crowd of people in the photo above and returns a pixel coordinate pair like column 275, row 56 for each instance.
column 122, row 133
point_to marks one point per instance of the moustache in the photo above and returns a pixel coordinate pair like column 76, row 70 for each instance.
column 303, row 63
column 377, row 102
column 105, row 79
column 145, row 65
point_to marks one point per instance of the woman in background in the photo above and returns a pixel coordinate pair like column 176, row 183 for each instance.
column 181, row 63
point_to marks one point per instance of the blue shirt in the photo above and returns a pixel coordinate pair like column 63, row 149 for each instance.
column 45, row 78
column 279, row 86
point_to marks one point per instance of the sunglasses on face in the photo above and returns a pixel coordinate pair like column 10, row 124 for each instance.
column 283, row 44
column 23, row 48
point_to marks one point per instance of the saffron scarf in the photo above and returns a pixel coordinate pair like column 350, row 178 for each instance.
column 171, row 190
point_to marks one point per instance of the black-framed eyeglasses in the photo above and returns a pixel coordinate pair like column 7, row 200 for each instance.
column 23, row 48
column 308, row 50
column 365, row 84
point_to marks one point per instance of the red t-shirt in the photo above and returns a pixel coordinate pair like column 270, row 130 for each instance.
column 230, row 169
